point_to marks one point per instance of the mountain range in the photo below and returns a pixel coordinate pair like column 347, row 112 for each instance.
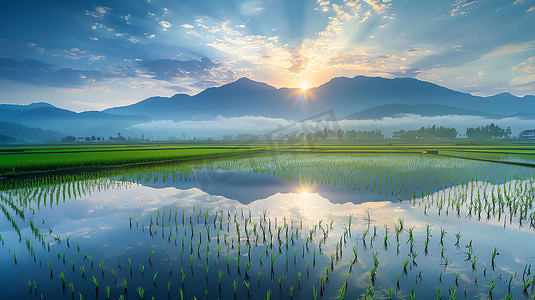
column 341, row 94
column 357, row 98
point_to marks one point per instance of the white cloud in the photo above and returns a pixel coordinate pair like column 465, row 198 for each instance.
column 93, row 38
column 186, row 26
column 462, row 7
column 251, row 8
column 512, row 49
column 527, row 66
column 133, row 40
column 377, row 5
column 523, row 80
column 98, row 12
column 165, row 25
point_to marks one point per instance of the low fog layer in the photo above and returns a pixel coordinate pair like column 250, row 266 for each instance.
column 260, row 125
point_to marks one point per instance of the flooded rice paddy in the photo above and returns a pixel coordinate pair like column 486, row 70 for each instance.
column 274, row 227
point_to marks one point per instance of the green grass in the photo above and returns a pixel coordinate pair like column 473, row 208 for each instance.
column 15, row 160
column 52, row 159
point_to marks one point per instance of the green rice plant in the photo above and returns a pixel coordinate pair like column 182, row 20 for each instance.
column 458, row 237
column 247, row 285
column 491, row 288
column 151, row 253
column 494, row 253
column 234, row 286
column 95, row 281
column 473, row 261
column 107, row 292
column 141, row 292
column 114, row 276
column 527, row 283
column 220, row 275
column 281, row 278
column 62, row 277
column 314, row 292
column 405, row 264
column 183, row 276
column 268, row 294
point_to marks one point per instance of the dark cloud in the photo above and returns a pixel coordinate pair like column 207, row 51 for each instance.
column 171, row 69
column 36, row 72
column 203, row 84
column 179, row 89
column 39, row 73
column 410, row 72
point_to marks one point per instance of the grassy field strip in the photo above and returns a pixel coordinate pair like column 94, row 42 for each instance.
column 34, row 159
column 10, row 164
column 121, row 150
column 515, row 163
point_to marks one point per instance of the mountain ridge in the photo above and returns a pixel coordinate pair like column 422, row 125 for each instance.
column 341, row 94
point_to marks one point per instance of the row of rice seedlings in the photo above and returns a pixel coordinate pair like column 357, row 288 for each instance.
column 393, row 175
column 231, row 225
column 512, row 201
column 402, row 176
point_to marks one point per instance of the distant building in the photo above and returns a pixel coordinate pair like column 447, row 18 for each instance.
column 398, row 134
column 528, row 134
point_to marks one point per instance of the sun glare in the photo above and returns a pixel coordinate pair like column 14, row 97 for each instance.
column 304, row 87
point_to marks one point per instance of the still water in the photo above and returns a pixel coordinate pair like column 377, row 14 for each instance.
column 300, row 227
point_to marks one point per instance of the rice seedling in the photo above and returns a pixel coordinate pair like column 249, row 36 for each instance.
column 62, row 277
column 141, row 291
column 234, row 287
column 151, row 253
column 95, row 281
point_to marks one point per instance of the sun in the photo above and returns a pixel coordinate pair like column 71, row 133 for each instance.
column 304, row 87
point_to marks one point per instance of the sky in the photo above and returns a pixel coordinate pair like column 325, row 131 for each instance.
column 91, row 55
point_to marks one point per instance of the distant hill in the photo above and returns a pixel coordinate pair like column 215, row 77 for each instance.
column 342, row 94
column 366, row 97
column 48, row 117
column 425, row 110
column 17, row 133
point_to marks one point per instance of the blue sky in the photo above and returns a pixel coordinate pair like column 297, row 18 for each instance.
column 90, row 55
